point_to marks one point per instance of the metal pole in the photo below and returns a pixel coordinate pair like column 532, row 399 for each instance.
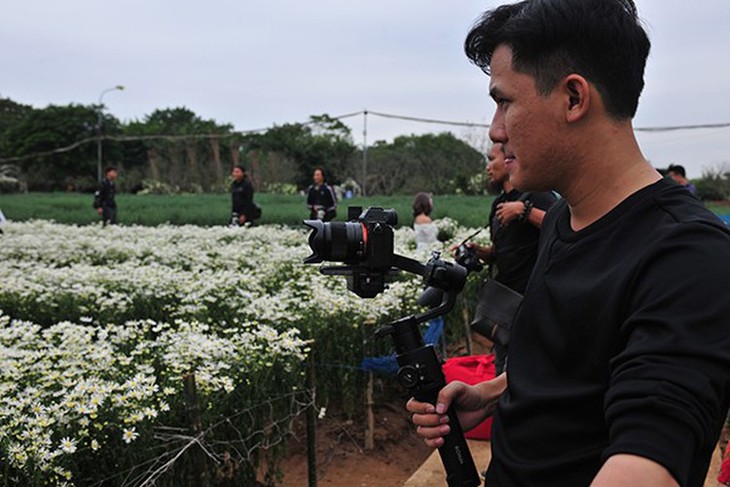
column 365, row 152
column 98, row 128
column 98, row 146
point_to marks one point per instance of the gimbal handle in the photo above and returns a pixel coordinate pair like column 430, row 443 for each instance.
column 420, row 372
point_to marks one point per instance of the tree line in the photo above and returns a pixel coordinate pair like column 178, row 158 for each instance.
column 174, row 150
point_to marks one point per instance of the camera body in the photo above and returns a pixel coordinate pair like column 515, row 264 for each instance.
column 377, row 224
column 466, row 256
column 364, row 243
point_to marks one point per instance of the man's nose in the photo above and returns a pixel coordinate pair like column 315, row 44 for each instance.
column 497, row 132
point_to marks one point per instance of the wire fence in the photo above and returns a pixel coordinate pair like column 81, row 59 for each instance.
column 217, row 452
column 363, row 113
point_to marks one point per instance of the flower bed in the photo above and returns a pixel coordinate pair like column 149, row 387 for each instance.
column 100, row 325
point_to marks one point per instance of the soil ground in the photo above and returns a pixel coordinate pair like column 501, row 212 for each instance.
column 341, row 457
column 342, row 460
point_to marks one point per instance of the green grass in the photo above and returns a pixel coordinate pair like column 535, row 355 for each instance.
column 214, row 209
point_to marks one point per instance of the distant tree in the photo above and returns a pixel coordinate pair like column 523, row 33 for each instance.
column 43, row 135
column 714, row 185
column 437, row 163
column 323, row 141
column 12, row 113
column 187, row 161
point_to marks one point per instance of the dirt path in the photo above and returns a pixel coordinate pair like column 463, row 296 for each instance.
column 343, row 462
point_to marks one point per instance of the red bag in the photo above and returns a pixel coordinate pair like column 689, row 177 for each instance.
column 471, row 370
column 724, row 477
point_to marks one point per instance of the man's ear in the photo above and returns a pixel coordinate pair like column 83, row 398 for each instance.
column 578, row 97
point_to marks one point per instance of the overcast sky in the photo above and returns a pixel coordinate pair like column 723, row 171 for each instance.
column 258, row 63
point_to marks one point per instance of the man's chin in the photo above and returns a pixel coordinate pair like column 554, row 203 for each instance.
column 522, row 184
column 516, row 179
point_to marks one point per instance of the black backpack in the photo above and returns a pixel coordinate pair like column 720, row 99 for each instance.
column 256, row 212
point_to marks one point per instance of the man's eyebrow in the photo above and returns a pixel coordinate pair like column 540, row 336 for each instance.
column 495, row 92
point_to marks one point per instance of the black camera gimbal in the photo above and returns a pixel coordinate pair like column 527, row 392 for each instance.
column 419, row 365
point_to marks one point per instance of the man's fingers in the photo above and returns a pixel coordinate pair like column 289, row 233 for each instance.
column 435, row 443
column 431, row 433
column 420, row 407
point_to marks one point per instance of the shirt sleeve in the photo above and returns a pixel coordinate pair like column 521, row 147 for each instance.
column 669, row 386
column 332, row 197
column 311, row 198
column 543, row 200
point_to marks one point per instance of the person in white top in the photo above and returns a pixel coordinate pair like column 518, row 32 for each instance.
column 426, row 230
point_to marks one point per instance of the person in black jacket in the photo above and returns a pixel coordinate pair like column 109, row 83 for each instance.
column 619, row 360
column 321, row 199
column 514, row 229
column 104, row 197
column 242, row 205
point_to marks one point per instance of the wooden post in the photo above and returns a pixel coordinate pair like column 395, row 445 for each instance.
column 311, row 385
column 215, row 147
column 198, row 460
column 369, row 403
column 467, row 329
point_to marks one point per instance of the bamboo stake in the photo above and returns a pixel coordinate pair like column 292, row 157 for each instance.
column 311, row 384
column 200, row 471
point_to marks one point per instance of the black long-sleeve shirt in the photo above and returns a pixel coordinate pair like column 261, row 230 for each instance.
column 324, row 198
column 105, row 195
column 242, row 198
column 622, row 345
column 515, row 244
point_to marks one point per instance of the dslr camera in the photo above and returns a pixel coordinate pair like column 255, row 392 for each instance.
column 364, row 244
column 466, row 256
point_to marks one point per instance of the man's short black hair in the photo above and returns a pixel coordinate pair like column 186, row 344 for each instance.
column 677, row 169
column 238, row 166
column 110, row 169
column 601, row 40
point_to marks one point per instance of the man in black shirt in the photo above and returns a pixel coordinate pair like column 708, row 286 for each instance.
column 619, row 371
column 514, row 228
column 104, row 197
column 242, row 206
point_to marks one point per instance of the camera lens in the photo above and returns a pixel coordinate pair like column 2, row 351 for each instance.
column 336, row 241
